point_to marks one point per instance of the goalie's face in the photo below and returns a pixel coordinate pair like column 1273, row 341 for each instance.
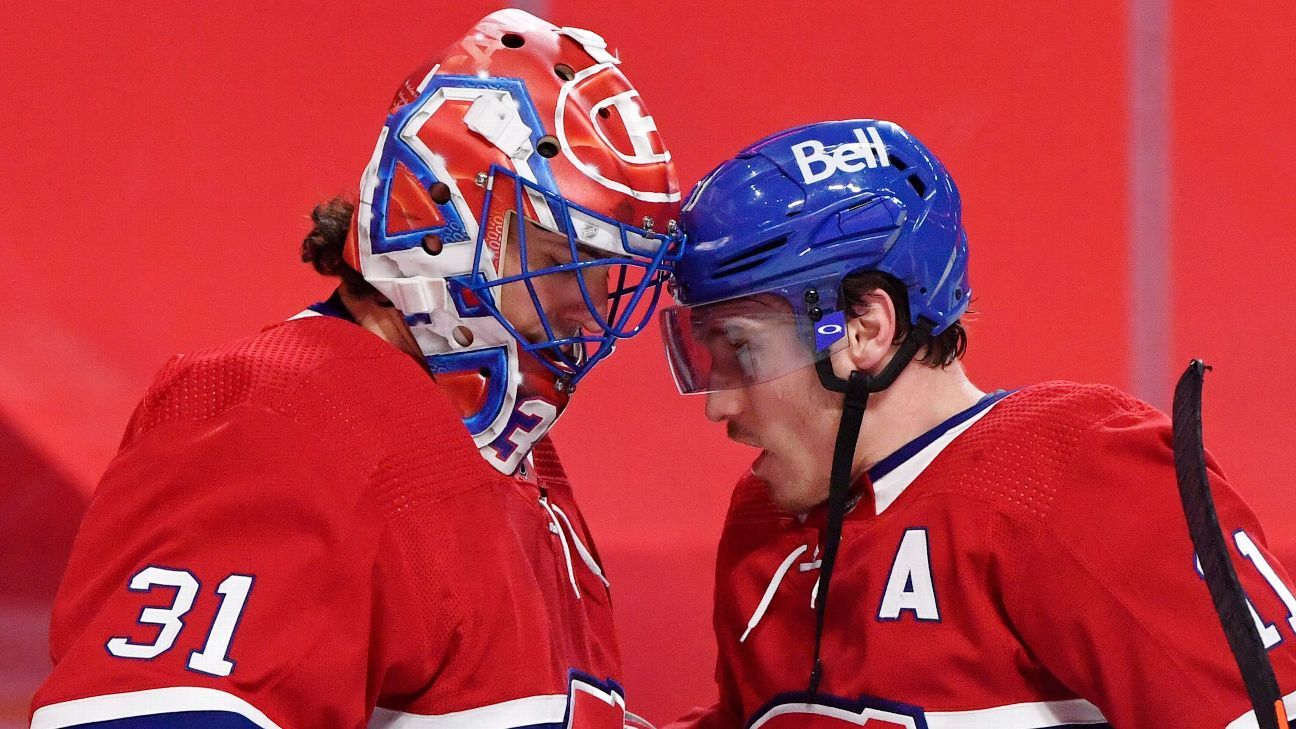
column 564, row 281
column 791, row 418
column 559, row 298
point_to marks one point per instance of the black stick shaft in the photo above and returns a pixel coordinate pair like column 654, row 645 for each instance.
column 1212, row 550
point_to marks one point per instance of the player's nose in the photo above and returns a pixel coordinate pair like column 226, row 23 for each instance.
column 586, row 308
column 580, row 316
column 722, row 405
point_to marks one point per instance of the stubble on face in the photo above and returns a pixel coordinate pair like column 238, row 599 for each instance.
column 793, row 419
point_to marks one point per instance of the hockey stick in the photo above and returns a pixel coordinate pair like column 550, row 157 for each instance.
column 1217, row 568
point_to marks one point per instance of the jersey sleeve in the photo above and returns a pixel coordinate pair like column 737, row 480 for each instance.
column 1106, row 592
column 229, row 572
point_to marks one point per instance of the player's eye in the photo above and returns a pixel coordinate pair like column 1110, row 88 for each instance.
column 746, row 354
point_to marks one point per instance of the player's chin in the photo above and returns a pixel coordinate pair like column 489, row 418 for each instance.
column 783, row 488
column 764, row 468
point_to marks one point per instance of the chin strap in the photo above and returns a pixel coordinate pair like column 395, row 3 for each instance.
column 857, row 390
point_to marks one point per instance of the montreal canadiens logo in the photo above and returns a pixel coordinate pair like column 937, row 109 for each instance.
column 826, row 712
column 593, row 704
column 621, row 127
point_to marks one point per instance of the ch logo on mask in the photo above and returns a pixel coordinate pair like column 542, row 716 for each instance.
column 621, row 127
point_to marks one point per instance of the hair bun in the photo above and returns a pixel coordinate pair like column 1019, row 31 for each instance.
column 322, row 247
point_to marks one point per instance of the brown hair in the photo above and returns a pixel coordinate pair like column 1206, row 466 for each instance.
column 323, row 245
column 941, row 351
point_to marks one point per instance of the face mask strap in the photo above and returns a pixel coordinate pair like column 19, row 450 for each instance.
column 857, row 390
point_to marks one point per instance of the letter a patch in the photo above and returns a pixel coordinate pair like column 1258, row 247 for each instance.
column 909, row 587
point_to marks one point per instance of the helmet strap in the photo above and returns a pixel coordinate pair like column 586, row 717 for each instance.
column 857, row 389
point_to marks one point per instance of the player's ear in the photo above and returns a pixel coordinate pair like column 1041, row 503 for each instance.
column 870, row 333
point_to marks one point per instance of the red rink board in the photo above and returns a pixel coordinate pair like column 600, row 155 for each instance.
column 163, row 160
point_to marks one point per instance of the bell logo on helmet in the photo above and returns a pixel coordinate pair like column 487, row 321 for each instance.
column 846, row 157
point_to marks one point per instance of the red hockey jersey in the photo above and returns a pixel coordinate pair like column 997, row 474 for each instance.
column 298, row 531
column 1024, row 565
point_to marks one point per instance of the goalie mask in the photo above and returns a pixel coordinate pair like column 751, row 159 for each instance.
column 519, row 210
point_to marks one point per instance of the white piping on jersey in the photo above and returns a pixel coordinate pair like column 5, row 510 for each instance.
column 770, row 589
column 584, row 553
column 546, row 709
column 1032, row 715
column 304, row 314
column 885, row 491
column 150, row 702
column 1248, row 720
column 556, row 527
column 889, row 487
column 634, row 721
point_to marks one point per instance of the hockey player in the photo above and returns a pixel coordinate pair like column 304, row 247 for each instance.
column 320, row 527
column 1014, row 560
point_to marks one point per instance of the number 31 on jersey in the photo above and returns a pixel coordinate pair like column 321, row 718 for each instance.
column 213, row 658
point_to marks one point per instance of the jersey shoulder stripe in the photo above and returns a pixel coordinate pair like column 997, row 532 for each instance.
column 177, row 706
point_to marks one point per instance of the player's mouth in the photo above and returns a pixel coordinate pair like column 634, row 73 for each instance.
column 738, row 435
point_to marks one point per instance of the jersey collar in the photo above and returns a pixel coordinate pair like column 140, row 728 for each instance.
column 332, row 306
column 893, row 474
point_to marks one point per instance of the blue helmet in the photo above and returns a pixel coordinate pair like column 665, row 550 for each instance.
column 795, row 213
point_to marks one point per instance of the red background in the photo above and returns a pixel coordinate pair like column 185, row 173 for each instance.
column 159, row 164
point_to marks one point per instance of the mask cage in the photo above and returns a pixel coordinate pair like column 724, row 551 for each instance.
column 639, row 262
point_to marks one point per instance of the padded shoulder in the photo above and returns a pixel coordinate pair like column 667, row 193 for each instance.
column 1020, row 456
column 262, row 370
column 275, row 368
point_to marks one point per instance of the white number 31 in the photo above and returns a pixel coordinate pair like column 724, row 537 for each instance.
column 212, row 658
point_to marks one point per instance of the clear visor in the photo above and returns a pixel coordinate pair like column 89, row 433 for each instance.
column 744, row 342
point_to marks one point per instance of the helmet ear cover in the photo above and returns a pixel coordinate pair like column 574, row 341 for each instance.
column 918, row 337
column 942, row 348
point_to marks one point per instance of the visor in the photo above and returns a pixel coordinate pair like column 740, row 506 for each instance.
column 746, row 341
